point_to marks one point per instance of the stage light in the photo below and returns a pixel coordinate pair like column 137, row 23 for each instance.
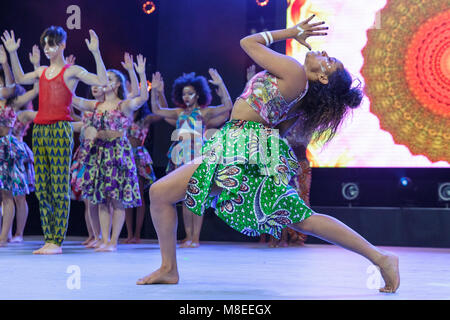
column 262, row 3
column 405, row 182
column 350, row 190
column 148, row 7
column 444, row 191
column 149, row 86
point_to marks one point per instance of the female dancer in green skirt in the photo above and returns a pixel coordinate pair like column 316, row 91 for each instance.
column 246, row 167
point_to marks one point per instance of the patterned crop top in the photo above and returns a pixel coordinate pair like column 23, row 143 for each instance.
column 114, row 120
column 7, row 117
column 191, row 122
column 138, row 130
column 264, row 96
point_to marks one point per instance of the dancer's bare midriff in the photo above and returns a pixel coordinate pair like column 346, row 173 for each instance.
column 109, row 134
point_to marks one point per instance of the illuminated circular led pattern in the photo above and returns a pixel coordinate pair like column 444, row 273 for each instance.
column 407, row 75
column 262, row 3
column 148, row 7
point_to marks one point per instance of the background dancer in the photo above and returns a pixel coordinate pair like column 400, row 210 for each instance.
column 110, row 176
column 52, row 132
column 192, row 96
column 15, row 180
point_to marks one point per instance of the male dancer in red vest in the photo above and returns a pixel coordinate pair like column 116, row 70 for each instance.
column 52, row 131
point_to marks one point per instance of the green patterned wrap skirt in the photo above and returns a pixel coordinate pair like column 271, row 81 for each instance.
column 253, row 166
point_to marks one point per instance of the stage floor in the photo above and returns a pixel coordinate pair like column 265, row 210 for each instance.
column 217, row 271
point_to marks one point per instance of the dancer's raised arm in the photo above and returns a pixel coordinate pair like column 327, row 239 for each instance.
column 288, row 70
column 131, row 105
column 127, row 64
column 99, row 79
column 222, row 92
column 12, row 46
column 157, row 108
column 8, row 87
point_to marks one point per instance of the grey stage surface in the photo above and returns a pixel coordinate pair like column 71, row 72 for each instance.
column 217, row 271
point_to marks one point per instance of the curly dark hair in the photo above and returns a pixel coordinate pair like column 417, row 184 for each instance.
column 325, row 106
column 200, row 85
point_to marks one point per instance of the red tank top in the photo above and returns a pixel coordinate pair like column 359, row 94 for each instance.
column 55, row 99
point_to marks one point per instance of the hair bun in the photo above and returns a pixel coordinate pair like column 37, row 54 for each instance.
column 353, row 98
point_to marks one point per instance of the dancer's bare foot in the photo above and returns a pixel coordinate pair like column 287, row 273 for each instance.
column 162, row 276
column 137, row 240
column 16, row 239
column 184, row 240
column 3, row 243
column 186, row 244
column 194, row 244
column 389, row 269
column 92, row 243
column 51, row 249
column 99, row 244
column 109, row 247
column 85, row 242
column 39, row 251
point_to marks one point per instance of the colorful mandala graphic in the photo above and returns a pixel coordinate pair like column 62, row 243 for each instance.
column 407, row 75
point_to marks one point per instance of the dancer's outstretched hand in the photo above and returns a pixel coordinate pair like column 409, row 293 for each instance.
column 127, row 64
column 305, row 29
column 3, row 56
column 35, row 56
column 157, row 82
column 10, row 42
column 92, row 45
column 140, row 66
column 215, row 76
column 71, row 59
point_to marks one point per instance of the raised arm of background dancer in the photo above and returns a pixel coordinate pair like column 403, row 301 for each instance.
column 8, row 90
column 83, row 104
column 20, row 77
column 149, row 119
column 26, row 116
column 222, row 92
column 127, row 64
column 99, row 79
column 157, row 84
column 23, row 99
column 218, row 121
column 131, row 105
column 160, row 90
column 285, row 68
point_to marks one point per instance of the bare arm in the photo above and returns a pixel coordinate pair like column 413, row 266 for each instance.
column 22, row 100
column 149, row 119
column 83, row 104
column 99, row 79
column 20, row 77
column 172, row 122
column 289, row 71
column 8, row 90
column 225, row 107
column 218, row 121
column 131, row 105
column 127, row 64
column 168, row 113
column 26, row 116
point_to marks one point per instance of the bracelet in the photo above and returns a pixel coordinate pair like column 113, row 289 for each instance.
column 263, row 34
column 301, row 31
